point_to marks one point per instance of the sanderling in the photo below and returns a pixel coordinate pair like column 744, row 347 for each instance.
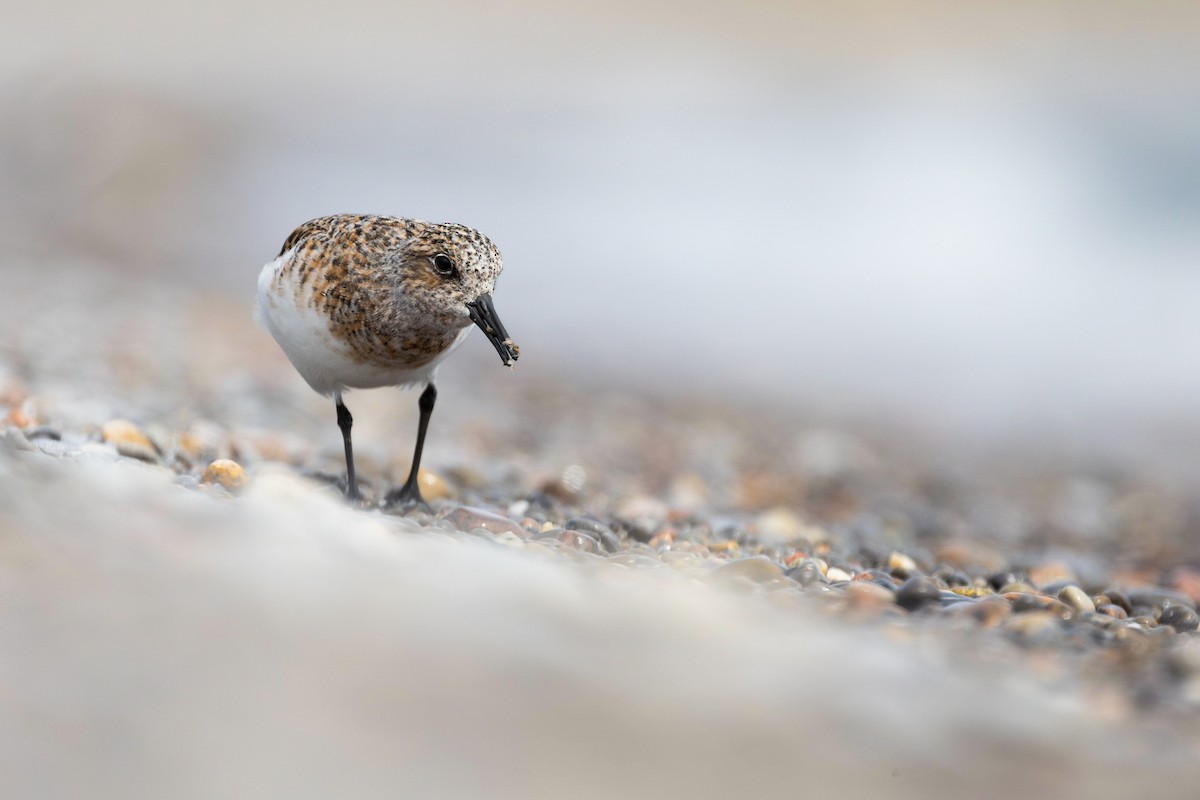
column 362, row 301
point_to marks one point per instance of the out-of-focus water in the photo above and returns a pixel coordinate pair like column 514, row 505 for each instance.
column 983, row 219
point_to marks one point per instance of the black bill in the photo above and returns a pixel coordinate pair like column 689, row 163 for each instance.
column 483, row 314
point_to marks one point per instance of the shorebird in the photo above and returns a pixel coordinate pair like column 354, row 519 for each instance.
column 363, row 301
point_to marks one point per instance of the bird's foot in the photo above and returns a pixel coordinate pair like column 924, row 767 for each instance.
column 406, row 498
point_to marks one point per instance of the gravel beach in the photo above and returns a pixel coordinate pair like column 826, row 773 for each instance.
column 616, row 592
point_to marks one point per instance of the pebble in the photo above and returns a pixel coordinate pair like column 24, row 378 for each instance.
column 1181, row 618
column 579, row 540
column 917, row 592
column 129, row 440
column 229, row 474
column 867, row 596
column 466, row 518
column 1113, row 611
column 838, row 574
column 1017, row 587
column 902, row 566
column 433, row 486
column 1076, row 598
column 1117, row 598
column 972, row 591
column 603, row 534
column 806, row 573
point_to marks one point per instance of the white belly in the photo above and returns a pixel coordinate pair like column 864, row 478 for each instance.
column 320, row 357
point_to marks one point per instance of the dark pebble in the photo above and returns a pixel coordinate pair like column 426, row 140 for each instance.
column 1117, row 598
column 1112, row 610
column 1181, row 618
column 43, row 432
column 806, row 573
column 998, row 580
column 951, row 577
column 917, row 592
column 579, row 540
column 604, row 534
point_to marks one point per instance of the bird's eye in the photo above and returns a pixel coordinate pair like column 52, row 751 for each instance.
column 443, row 264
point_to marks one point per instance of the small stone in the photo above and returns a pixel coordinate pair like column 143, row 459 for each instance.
column 466, row 518
column 1117, row 598
column 1181, row 618
column 999, row 580
column 663, row 540
column 838, row 574
column 432, row 486
column 972, row 591
column 1017, row 587
column 725, row 546
column 129, row 440
column 806, row 573
column 917, row 592
column 879, row 577
column 1076, row 598
column 867, row 596
column 229, row 474
column 578, row 540
column 601, row 532
column 1112, row 611
column 901, row 565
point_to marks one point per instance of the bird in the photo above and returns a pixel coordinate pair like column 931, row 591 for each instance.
column 360, row 301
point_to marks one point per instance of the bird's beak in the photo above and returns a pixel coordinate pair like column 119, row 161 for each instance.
column 483, row 314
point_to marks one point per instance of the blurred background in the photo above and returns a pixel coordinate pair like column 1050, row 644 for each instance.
column 981, row 219
column 759, row 256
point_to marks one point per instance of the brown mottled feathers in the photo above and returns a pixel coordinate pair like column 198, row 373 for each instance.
column 368, row 273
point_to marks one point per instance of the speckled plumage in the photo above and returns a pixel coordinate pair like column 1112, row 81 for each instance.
column 379, row 302
column 361, row 301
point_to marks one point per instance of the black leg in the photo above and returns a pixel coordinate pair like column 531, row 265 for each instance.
column 345, row 421
column 410, row 492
